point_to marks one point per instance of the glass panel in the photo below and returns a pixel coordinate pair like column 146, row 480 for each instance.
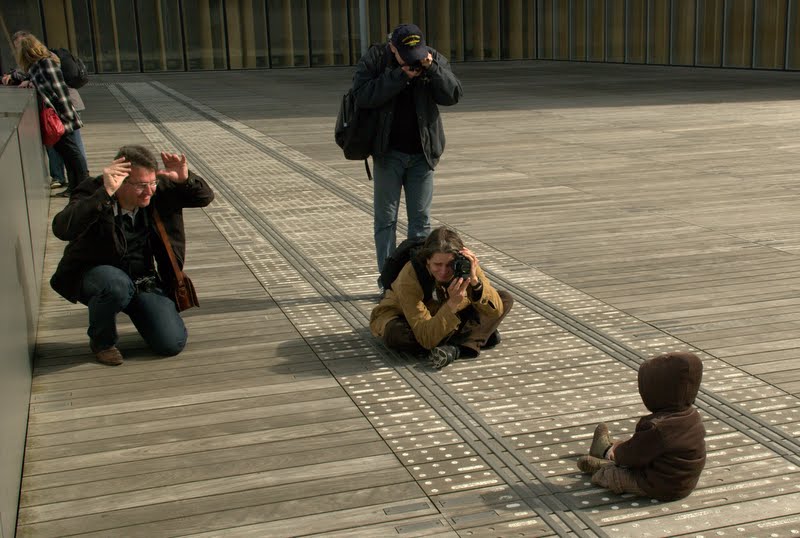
column 636, row 40
column 683, row 32
column 793, row 44
column 329, row 44
column 545, row 30
column 288, row 33
column 67, row 25
column 739, row 33
column 596, row 31
column 407, row 11
column 578, row 30
column 770, row 34
column 18, row 16
column 204, row 34
column 709, row 32
column 247, row 34
column 659, row 32
column 561, row 29
column 519, row 30
column 378, row 21
column 377, row 26
column 115, row 36
column 481, row 37
column 160, row 34
column 445, row 29
column 615, row 28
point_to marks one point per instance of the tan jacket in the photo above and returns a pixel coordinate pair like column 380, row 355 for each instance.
column 430, row 322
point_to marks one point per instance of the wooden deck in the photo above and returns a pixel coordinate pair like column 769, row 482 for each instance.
column 630, row 211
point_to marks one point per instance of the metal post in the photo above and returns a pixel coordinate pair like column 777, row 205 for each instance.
column 363, row 25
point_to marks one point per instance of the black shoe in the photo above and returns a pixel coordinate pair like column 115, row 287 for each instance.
column 66, row 193
column 492, row 341
column 441, row 356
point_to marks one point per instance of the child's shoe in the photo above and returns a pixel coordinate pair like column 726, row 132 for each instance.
column 601, row 441
column 590, row 464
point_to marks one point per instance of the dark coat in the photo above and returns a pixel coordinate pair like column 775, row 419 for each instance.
column 377, row 90
column 668, row 451
column 88, row 223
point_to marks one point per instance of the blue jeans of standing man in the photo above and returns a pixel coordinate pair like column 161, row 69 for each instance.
column 107, row 291
column 395, row 171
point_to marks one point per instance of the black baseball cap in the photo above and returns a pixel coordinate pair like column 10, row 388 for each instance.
column 410, row 43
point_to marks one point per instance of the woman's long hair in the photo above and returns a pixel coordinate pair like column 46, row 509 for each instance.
column 442, row 239
column 30, row 50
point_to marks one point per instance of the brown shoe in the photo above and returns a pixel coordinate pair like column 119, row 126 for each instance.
column 109, row 356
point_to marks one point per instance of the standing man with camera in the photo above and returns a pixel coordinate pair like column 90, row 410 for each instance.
column 441, row 303
column 404, row 83
column 116, row 260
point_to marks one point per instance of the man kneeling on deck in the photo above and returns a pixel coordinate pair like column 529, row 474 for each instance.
column 115, row 260
column 441, row 301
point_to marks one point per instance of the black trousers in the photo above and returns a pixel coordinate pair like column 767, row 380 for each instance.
column 70, row 151
column 471, row 335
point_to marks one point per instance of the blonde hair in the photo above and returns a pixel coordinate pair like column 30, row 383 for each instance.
column 30, row 50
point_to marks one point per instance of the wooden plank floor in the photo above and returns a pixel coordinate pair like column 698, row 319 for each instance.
column 630, row 210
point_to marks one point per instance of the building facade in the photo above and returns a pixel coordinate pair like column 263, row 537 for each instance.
column 131, row 36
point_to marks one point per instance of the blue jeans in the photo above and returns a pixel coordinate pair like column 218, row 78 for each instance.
column 57, row 162
column 73, row 157
column 107, row 290
column 395, row 171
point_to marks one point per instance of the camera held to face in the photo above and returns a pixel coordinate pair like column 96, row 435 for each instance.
column 462, row 267
column 416, row 66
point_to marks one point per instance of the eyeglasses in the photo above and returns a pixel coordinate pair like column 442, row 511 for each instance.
column 140, row 187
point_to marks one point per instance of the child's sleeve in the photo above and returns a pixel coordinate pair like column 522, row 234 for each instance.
column 645, row 446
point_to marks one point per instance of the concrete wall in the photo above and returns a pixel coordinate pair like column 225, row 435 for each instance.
column 24, row 201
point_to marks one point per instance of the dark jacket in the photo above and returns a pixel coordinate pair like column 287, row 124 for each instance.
column 377, row 90
column 668, row 451
column 88, row 223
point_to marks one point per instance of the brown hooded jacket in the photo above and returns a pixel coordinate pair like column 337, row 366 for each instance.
column 667, row 453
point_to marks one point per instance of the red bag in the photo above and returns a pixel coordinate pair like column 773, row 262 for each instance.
column 52, row 128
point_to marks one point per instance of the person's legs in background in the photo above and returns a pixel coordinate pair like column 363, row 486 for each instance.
column 56, row 165
column 74, row 161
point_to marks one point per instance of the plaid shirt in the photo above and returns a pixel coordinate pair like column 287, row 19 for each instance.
column 49, row 81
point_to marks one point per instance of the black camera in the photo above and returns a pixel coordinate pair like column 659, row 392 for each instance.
column 146, row 284
column 462, row 267
column 416, row 66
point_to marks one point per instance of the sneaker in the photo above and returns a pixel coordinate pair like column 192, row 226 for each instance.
column 66, row 193
column 601, row 441
column 492, row 341
column 109, row 356
column 56, row 184
column 441, row 356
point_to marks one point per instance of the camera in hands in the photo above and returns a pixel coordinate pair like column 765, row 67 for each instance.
column 462, row 267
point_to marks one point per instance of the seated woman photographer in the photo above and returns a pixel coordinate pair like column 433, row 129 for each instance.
column 431, row 308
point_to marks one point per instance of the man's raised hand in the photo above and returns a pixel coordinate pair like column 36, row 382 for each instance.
column 175, row 167
column 115, row 174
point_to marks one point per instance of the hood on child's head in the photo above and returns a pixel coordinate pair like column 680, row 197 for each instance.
column 670, row 382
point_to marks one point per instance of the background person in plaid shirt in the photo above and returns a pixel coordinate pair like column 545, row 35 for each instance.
column 17, row 78
column 44, row 71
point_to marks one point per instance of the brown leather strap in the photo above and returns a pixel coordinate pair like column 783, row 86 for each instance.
column 168, row 246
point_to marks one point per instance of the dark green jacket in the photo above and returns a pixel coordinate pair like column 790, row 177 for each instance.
column 88, row 223
column 377, row 90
